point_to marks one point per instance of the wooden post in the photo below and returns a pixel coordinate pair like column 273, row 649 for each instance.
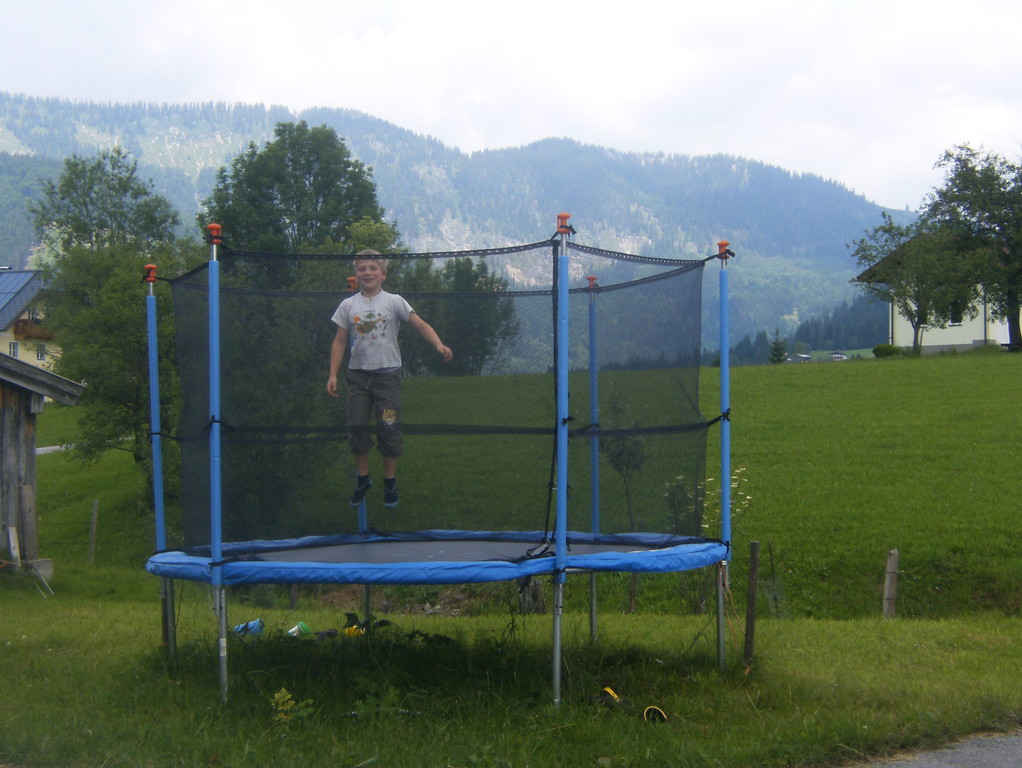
column 750, row 606
column 12, row 534
column 92, row 532
column 890, row 584
column 30, row 550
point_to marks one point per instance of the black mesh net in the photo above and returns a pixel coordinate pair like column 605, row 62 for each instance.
column 479, row 432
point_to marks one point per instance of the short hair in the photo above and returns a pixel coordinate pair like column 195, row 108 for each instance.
column 368, row 254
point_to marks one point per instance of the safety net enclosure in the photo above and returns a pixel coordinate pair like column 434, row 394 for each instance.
column 565, row 435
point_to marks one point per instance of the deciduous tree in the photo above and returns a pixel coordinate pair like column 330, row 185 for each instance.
column 99, row 202
column 980, row 204
column 921, row 269
column 104, row 224
column 302, row 191
column 478, row 323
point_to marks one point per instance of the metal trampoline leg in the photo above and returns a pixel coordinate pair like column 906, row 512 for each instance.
column 169, row 619
column 721, row 586
column 220, row 608
column 592, row 607
column 558, row 611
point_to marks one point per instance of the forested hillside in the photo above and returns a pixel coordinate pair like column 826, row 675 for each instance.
column 790, row 230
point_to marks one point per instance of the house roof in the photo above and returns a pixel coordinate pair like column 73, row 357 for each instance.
column 18, row 289
column 39, row 381
column 880, row 271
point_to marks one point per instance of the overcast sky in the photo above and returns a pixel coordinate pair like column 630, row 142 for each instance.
column 866, row 92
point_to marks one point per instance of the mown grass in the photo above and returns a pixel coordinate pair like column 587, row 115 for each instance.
column 87, row 685
column 849, row 460
column 842, row 462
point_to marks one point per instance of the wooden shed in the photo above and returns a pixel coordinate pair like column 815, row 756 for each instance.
column 23, row 390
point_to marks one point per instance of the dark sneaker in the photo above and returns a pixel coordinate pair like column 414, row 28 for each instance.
column 390, row 497
column 361, row 489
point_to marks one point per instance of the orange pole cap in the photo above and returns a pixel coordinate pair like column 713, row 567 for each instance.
column 150, row 273
column 351, row 283
column 214, row 232
column 592, row 281
column 562, row 224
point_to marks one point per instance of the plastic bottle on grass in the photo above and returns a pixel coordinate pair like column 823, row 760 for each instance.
column 250, row 628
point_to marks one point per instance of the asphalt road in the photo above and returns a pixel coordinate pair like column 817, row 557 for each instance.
column 998, row 750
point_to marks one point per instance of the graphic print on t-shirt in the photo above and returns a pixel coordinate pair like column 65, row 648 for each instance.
column 371, row 324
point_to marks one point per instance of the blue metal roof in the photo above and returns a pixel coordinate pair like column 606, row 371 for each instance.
column 18, row 289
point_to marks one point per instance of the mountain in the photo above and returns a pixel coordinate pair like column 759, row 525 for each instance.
column 790, row 230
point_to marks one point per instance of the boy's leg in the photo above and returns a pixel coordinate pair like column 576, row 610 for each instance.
column 386, row 394
column 390, row 495
column 360, row 406
column 362, row 482
column 387, row 397
column 362, row 464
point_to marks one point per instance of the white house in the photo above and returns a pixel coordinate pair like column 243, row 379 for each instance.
column 967, row 334
column 961, row 334
column 22, row 334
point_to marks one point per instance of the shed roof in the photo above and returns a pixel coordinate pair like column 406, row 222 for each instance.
column 18, row 289
column 39, row 381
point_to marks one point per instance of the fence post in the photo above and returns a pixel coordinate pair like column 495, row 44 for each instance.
column 750, row 606
column 890, row 584
column 92, row 531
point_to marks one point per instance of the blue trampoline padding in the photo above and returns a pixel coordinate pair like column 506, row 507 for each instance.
column 435, row 557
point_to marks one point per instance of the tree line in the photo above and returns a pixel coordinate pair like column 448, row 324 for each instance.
column 859, row 324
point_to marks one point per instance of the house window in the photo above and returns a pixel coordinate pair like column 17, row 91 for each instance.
column 40, row 353
column 957, row 315
column 12, row 348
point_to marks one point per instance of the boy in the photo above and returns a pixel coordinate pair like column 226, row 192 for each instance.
column 372, row 318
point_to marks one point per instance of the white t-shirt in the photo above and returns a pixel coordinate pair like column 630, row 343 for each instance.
column 372, row 324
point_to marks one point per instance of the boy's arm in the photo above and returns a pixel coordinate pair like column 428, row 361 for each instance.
column 337, row 349
column 426, row 331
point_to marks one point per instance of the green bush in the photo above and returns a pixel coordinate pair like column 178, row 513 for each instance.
column 886, row 350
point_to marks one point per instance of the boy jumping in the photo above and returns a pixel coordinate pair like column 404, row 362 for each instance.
column 371, row 319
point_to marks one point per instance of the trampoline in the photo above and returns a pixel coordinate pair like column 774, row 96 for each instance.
column 436, row 557
column 574, row 390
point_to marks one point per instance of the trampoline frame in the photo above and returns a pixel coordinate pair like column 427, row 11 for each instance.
column 288, row 562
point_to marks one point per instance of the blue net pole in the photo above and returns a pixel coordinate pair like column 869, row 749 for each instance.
column 154, row 413
column 594, row 409
column 155, row 427
column 215, row 448
column 725, row 404
column 561, row 520
column 725, row 451
column 594, row 444
column 215, row 464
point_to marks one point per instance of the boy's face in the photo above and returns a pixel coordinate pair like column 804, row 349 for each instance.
column 370, row 275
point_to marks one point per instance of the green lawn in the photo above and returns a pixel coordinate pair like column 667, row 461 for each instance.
column 836, row 465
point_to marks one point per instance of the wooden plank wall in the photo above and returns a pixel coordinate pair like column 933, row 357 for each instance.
column 18, row 409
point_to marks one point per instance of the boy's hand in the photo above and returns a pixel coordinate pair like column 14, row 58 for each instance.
column 445, row 353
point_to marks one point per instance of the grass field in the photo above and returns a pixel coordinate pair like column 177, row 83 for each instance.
column 849, row 460
column 839, row 463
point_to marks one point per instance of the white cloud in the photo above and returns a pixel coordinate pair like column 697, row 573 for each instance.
column 867, row 93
